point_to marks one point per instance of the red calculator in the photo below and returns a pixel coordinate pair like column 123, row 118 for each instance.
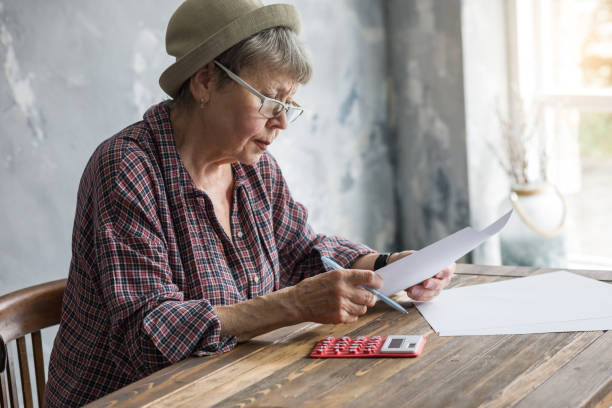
column 377, row 346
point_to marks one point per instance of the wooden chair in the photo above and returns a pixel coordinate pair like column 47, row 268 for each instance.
column 23, row 312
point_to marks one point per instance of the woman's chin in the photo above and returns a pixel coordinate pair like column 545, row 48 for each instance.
column 251, row 159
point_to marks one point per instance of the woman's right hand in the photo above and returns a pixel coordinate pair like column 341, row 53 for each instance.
column 336, row 296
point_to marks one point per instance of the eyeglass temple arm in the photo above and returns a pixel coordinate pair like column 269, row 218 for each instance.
column 253, row 90
column 240, row 81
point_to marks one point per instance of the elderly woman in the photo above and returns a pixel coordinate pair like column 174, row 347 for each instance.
column 186, row 238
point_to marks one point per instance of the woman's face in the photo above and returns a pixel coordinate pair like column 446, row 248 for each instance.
column 232, row 113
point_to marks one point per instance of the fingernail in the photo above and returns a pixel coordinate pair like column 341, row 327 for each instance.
column 429, row 285
column 416, row 291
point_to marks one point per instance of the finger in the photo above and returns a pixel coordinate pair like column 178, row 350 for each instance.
column 353, row 309
column 349, row 318
column 418, row 292
column 362, row 277
column 429, row 295
column 438, row 283
column 447, row 272
column 443, row 283
column 415, row 291
column 433, row 284
column 444, row 274
column 363, row 297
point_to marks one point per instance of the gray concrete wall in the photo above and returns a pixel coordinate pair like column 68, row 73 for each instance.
column 427, row 115
column 380, row 156
column 337, row 158
column 76, row 73
column 73, row 75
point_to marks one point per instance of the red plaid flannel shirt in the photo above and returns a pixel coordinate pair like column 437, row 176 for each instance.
column 150, row 260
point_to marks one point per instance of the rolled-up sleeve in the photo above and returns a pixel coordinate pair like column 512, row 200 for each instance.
column 299, row 248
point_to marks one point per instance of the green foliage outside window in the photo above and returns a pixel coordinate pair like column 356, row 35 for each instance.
column 596, row 127
column 596, row 134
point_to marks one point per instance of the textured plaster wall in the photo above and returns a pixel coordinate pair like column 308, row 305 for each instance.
column 75, row 73
column 427, row 117
column 336, row 160
column 71, row 75
column 379, row 157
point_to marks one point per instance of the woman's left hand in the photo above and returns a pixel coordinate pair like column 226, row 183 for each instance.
column 429, row 288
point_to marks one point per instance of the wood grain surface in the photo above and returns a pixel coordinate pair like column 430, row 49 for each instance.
column 274, row 370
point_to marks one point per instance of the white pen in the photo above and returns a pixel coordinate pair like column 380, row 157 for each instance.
column 330, row 263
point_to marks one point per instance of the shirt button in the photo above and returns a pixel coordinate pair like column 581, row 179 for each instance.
column 256, row 279
column 240, row 234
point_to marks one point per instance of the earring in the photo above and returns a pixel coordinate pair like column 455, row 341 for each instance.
column 201, row 103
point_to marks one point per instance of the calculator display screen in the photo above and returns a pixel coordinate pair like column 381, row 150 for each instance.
column 395, row 343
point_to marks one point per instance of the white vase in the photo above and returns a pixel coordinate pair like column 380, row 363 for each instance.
column 535, row 234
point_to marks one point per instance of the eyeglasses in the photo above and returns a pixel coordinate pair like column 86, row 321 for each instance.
column 270, row 108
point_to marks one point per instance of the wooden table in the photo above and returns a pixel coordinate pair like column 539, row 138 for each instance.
column 274, row 370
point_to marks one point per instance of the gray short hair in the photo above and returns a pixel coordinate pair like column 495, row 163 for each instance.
column 277, row 49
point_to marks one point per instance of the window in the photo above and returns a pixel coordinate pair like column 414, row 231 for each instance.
column 561, row 57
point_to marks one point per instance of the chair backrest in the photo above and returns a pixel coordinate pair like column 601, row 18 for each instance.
column 26, row 311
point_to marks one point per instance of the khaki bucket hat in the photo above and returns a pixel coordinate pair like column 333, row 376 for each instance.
column 200, row 30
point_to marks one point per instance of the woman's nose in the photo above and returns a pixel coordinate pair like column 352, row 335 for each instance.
column 279, row 121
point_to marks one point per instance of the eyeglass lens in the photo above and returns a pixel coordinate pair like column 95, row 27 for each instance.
column 272, row 109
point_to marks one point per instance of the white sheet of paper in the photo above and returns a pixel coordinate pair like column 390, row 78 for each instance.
column 551, row 302
column 430, row 260
column 604, row 323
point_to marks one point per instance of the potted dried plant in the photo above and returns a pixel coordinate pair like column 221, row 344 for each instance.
column 534, row 236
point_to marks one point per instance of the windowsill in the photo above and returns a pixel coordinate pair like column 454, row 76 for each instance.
column 583, row 99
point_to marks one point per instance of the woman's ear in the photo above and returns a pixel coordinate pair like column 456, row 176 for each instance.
column 202, row 84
